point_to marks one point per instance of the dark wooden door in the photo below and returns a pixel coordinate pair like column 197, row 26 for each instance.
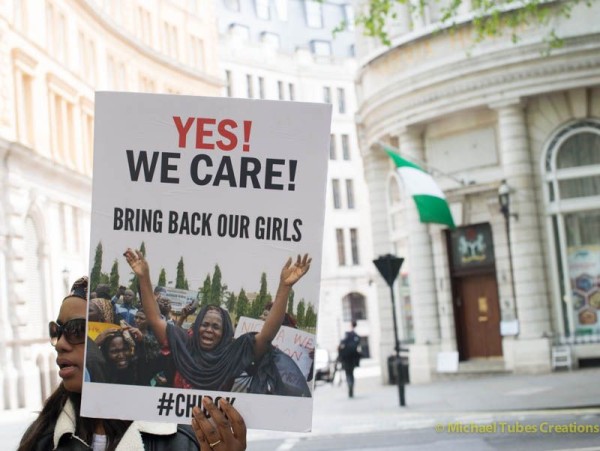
column 478, row 316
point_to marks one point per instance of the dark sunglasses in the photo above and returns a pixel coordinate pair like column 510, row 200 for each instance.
column 73, row 330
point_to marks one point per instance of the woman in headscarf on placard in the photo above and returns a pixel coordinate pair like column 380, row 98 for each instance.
column 209, row 358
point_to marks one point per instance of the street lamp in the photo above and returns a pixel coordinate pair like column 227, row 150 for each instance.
column 504, row 192
column 388, row 266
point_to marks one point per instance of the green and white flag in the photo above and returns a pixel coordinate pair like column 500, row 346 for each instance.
column 429, row 198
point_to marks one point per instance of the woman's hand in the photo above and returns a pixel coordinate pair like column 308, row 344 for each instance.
column 226, row 431
column 135, row 333
column 292, row 273
column 137, row 262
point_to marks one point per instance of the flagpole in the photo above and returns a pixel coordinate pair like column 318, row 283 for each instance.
column 425, row 165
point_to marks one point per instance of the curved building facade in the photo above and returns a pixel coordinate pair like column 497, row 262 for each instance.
column 503, row 291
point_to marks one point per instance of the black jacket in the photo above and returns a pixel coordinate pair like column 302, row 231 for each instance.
column 183, row 440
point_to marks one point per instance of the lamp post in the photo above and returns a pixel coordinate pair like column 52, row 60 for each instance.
column 504, row 200
column 388, row 266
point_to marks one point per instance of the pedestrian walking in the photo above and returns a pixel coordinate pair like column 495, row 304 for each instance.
column 349, row 356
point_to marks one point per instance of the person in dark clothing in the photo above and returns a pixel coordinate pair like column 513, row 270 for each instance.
column 60, row 426
column 349, row 355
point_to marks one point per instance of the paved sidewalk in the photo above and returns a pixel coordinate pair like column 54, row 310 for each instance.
column 377, row 407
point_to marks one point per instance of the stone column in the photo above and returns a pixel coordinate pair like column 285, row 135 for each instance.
column 377, row 168
column 530, row 350
column 421, row 275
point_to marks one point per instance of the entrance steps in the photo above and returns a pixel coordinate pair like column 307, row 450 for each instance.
column 476, row 368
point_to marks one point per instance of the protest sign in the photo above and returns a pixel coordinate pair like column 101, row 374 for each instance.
column 218, row 193
column 296, row 343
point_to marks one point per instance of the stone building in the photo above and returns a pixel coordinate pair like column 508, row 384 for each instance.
column 53, row 55
column 502, row 295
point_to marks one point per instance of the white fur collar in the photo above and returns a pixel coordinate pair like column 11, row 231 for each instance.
column 132, row 439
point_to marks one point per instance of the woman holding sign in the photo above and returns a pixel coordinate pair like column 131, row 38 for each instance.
column 210, row 358
column 60, row 426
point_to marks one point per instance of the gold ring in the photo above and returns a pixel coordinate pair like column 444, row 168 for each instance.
column 214, row 444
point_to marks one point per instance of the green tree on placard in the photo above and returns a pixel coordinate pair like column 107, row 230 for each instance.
column 489, row 18
column 205, row 292
column 231, row 302
column 104, row 278
column 290, row 303
column 261, row 299
column 180, row 280
column 114, row 277
column 300, row 313
column 310, row 319
column 243, row 304
column 97, row 268
column 162, row 278
column 217, row 289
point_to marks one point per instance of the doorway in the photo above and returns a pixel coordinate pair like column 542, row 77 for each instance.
column 477, row 315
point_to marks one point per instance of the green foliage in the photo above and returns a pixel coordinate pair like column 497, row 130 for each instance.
column 231, row 302
column 97, row 268
column 258, row 305
column 205, row 292
column 181, row 281
column 301, row 314
column 243, row 304
column 310, row 319
column 104, row 278
column 290, row 303
column 114, row 277
column 133, row 282
column 491, row 18
column 162, row 278
column 217, row 289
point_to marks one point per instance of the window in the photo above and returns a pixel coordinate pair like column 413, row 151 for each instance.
column 572, row 185
column 282, row 10
column 87, row 132
column 332, row 150
column 349, row 16
column 321, row 48
column 233, row 5
column 354, row 246
column 87, row 58
column 147, row 84
column 292, row 91
column 249, row 87
column 228, row 81
column 280, row 93
column 34, row 293
column 261, row 87
column 196, row 56
column 270, row 39
column 346, row 147
column 56, row 29
column 354, row 307
column 350, row 193
column 170, row 44
column 144, row 25
column 326, row 94
column 238, row 31
column 24, row 67
column 337, row 200
column 314, row 15
column 62, row 123
column 262, row 9
column 116, row 75
column 341, row 100
column 341, row 250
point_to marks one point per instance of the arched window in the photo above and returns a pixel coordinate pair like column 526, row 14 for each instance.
column 572, row 190
column 354, row 307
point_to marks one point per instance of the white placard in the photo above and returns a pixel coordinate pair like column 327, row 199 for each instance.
column 204, row 183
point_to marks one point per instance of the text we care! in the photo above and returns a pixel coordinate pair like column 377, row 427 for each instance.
column 209, row 134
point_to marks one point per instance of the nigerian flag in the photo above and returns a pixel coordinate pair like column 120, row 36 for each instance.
column 429, row 198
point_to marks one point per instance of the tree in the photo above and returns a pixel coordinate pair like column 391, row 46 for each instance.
column 261, row 300
column 217, row 289
column 162, row 278
column 114, row 277
column 180, row 281
column 300, row 313
column 97, row 268
column 290, row 303
column 205, row 292
column 490, row 18
column 231, row 302
column 242, row 304
column 310, row 319
column 134, row 285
